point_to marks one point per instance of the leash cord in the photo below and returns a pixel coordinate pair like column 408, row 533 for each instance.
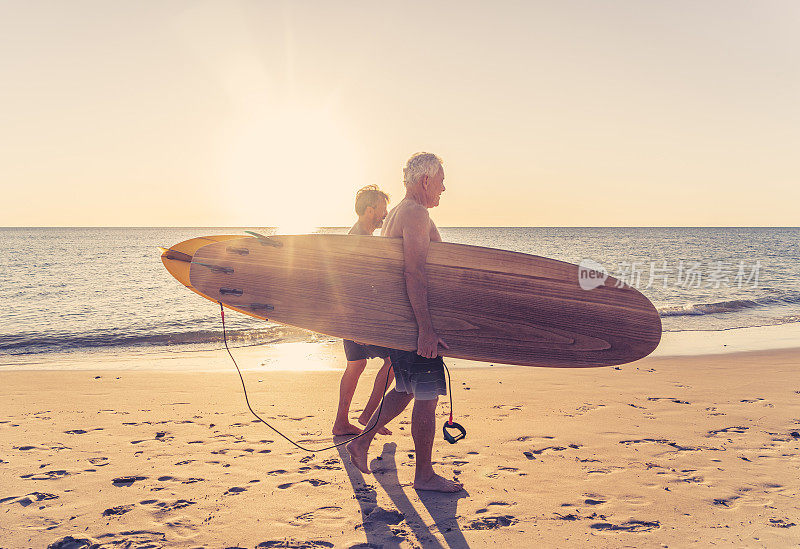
column 247, row 400
column 449, row 392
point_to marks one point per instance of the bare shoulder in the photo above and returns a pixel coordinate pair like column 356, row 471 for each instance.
column 414, row 214
column 406, row 216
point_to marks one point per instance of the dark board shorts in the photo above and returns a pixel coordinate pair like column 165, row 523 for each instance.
column 357, row 351
column 417, row 375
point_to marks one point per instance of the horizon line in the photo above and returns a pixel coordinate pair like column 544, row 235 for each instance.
column 440, row 226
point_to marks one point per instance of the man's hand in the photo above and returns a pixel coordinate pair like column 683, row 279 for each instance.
column 428, row 344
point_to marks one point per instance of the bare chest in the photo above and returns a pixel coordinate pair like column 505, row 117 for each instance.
column 393, row 228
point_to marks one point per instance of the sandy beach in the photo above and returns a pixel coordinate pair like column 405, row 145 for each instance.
column 665, row 452
column 562, row 183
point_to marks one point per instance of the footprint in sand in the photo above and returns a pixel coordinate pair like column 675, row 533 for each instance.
column 712, row 411
column 604, row 471
column 28, row 498
column 512, row 407
column 167, row 478
column 491, row 523
column 304, row 544
column 161, row 436
column 327, row 512
column 671, row 399
column 501, row 470
column 379, row 515
column 531, row 437
column 47, row 475
column 491, row 504
column 308, row 468
column 735, row 429
column 164, row 506
column 568, row 516
column 312, row 481
column 588, row 407
column 118, row 510
column 234, row 490
column 664, row 441
column 128, row 538
column 725, row 502
column 126, row 481
column 366, row 493
column 781, row 523
column 593, row 501
column 629, row 526
column 690, row 479
column 532, row 453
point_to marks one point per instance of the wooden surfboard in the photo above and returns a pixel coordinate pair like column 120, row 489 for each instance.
column 488, row 305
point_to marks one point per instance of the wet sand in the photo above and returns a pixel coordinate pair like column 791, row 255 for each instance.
column 667, row 451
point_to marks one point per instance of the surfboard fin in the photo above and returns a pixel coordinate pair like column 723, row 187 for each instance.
column 265, row 240
column 169, row 253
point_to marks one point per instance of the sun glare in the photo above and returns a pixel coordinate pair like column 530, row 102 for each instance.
column 296, row 227
column 292, row 168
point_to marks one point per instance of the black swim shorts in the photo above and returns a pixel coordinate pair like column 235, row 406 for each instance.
column 357, row 351
column 417, row 375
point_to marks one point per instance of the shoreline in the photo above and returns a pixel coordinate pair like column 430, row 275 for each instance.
column 325, row 353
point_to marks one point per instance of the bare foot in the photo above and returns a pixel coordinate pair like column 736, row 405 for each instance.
column 437, row 483
column 358, row 456
column 345, row 429
column 382, row 430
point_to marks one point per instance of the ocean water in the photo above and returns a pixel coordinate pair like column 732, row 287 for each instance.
column 78, row 289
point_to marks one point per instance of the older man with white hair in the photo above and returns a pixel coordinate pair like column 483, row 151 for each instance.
column 419, row 376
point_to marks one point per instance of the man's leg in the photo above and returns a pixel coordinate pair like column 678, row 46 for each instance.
column 393, row 405
column 423, row 430
column 381, row 383
column 347, row 387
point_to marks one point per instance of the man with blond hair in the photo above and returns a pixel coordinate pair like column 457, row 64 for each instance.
column 371, row 205
column 419, row 376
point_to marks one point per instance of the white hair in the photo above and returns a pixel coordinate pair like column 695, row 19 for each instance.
column 420, row 164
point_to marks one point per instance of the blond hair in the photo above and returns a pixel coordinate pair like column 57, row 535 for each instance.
column 369, row 196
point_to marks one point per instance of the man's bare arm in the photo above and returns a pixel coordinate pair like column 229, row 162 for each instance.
column 416, row 241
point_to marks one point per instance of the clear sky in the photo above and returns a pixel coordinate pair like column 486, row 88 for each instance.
column 561, row 113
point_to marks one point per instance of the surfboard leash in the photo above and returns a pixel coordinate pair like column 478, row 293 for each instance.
column 247, row 400
column 448, row 424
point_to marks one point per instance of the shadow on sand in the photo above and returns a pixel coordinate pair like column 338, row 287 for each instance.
column 389, row 528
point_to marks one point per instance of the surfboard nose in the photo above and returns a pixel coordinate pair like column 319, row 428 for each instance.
column 178, row 258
